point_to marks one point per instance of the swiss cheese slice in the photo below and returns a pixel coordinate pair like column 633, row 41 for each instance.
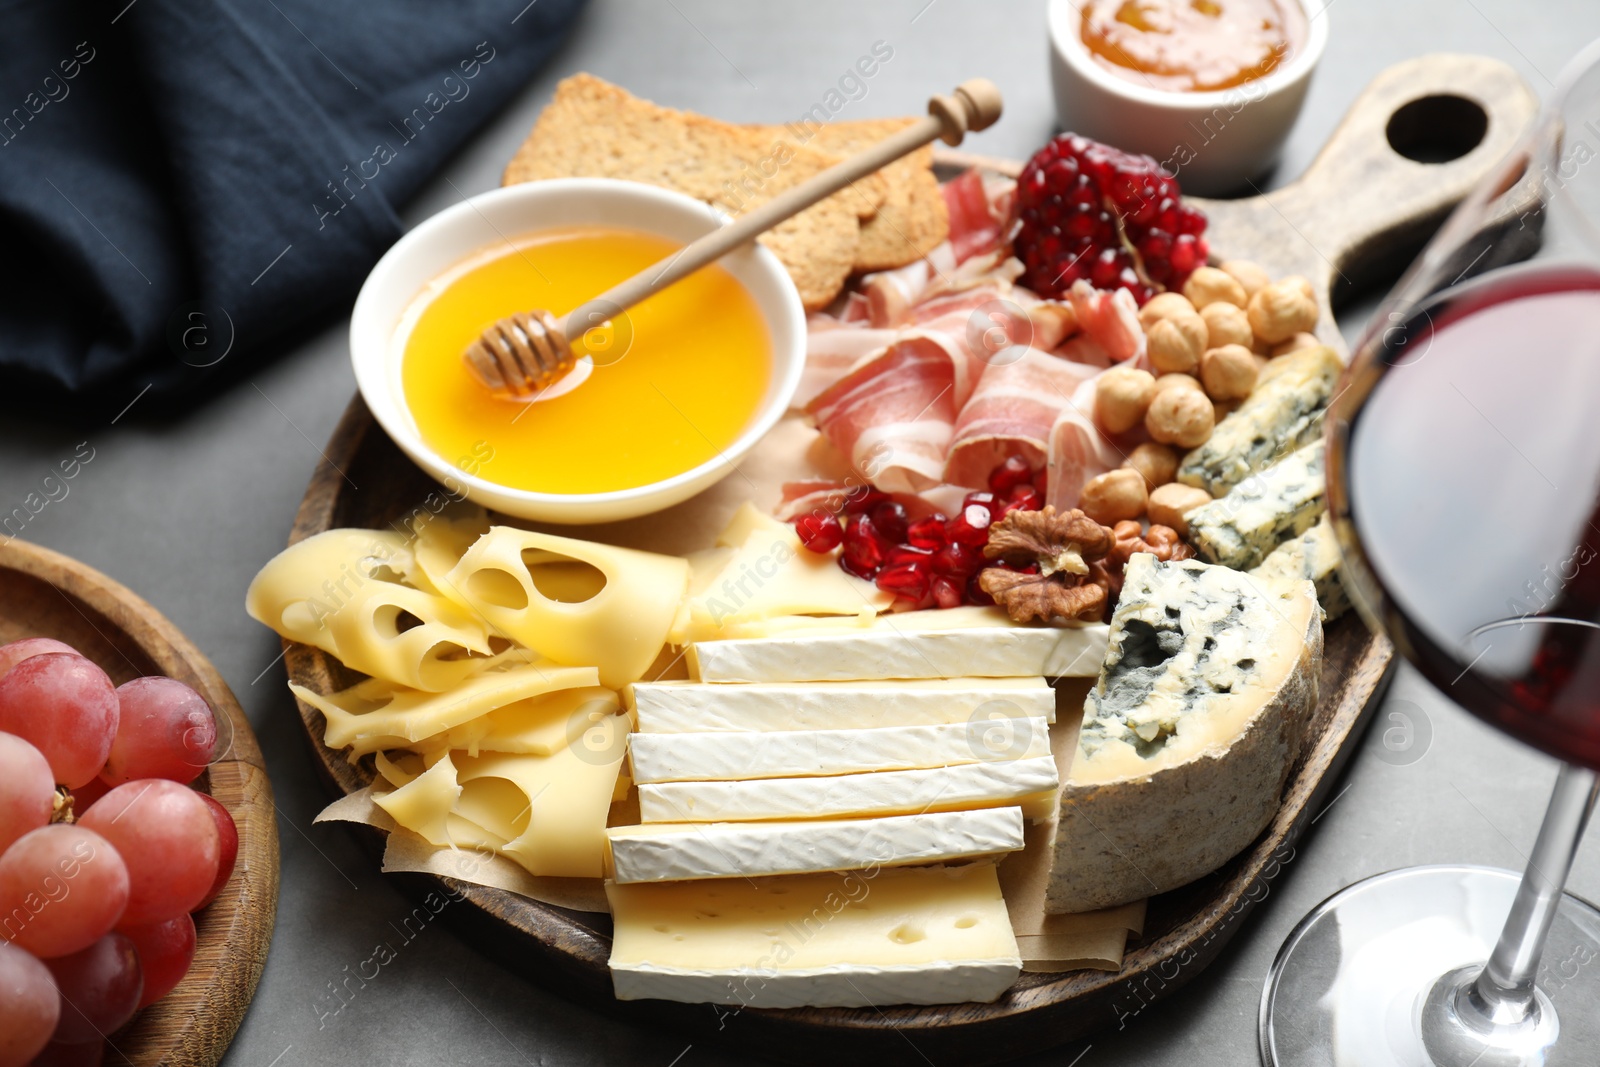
column 655, row 852
column 1030, row 782
column 909, row 935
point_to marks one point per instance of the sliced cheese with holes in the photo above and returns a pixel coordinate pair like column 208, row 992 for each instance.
column 1189, row 734
column 905, row 646
column 576, row 602
column 422, row 805
column 656, row 852
column 809, row 753
column 910, row 935
column 305, row 583
column 1030, row 782
column 439, row 543
column 537, row 726
column 684, row 707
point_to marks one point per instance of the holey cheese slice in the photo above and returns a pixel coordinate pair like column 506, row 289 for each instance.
column 798, row 753
column 657, row 852
column 1189, row 734
column 908, row 935
column 689, row 707
column 1030, row 782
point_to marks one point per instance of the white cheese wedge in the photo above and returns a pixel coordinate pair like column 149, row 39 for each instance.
column 1190, row 732
column 914, row 644
column 686, row 707
column 1029, row 782
column 801, row 753
column 656, row 852
column 911, row 935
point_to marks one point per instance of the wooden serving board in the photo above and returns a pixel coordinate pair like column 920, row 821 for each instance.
column 46, row 594
column 1360, row 206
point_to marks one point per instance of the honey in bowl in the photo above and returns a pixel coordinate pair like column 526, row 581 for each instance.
column 687, row 373
column 1192, row 45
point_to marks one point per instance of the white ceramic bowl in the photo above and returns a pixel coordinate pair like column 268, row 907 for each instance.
column 1215, row 141
column 379, row 324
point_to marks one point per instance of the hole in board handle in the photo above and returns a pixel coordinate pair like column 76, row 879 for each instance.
column 1437, row 129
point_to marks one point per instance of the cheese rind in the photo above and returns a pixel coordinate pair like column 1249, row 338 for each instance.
column 796, row 753
column 911, row 935
column 1314, row 556
column 1283, row 413
column 656, row 852
column 888, row 650
column 971, row 785
column 686, row 707
column 1190, row 732
column 1261, row 512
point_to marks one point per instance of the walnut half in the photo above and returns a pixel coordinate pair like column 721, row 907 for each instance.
column 1065, row 548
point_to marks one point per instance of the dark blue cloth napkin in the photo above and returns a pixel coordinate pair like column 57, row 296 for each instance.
column 183, row 185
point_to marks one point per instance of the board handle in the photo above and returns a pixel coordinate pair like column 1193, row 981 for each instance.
column 1413, row 144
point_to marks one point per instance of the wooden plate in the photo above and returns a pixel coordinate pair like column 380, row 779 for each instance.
column 1361, row 205
column 46, row 594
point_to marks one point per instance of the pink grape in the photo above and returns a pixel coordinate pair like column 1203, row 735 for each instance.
column 66, row 707
column 228, row 836
column 29, row 1006
column 62, row 887
column 168, row 839
column 85, row 795
column 166, row 730
column 17, row 651
column 100, row 988
column 55, row 1054
column 27, row 789
column 165, row 951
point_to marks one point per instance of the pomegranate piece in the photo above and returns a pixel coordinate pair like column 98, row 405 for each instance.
column 957, row 560
column 890, row 519
column 983, row 499
column 909, row 580
column 971, row 527
column 975, row 593
column 1114, row 219
column 1010, row 474
column 862, row 499
column 819, row 531
column 1022, row 498
column 946, row 591
column 907, row 554
column 864, row 548
column 927, row 533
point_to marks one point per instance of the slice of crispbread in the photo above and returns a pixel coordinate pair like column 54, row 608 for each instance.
column 594, row 129
column 912, row 219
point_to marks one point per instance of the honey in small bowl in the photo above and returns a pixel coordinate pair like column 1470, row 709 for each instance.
column 682, row 376
column 1192, row 45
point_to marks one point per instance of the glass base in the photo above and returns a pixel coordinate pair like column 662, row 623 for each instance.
column 1375, row 965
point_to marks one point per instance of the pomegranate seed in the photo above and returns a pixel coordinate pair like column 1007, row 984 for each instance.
column 909, row 580
column 890, row 519
column 1041, row 479
column 957, row 560
column 819, row 531
column 927, row 533
column 864, row 548
column 982, row 497
column 907, row 554
column 971, row 527
column 1026, row 497
column 975, row 593
column 946, row 591
column 1012, row 472
column 850, row 566
column 862, row 499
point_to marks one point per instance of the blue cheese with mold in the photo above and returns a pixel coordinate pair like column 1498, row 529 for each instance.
column 1314, row 555
column 1261, row 512
column 1189, row 732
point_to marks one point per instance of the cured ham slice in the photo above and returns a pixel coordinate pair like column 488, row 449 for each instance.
column 892, row 417
column 1077, row 450
column 1018, row 400
column 1111, row 319
column 973, row 225
column 832, row 352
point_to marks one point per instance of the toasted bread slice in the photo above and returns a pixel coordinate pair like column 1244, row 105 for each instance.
column 595, row 129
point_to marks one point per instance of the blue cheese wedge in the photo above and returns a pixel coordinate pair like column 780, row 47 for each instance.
column 1282, row 414
column 657, row 852
column 1314, row 555
column 1261, row 512
column 1189, row 733
column 908, row 935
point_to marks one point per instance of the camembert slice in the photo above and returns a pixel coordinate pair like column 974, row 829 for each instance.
column 1189, row 734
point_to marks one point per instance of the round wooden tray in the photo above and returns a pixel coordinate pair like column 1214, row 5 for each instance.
column 1411, row 146
column 46, row 594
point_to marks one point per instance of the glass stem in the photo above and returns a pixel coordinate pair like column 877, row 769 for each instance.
column 1503, row 993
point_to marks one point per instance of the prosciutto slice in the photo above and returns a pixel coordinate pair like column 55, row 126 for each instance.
column 1110, row 319
column 974, row 228
column 1018, row 401
column 1077, row 450
column 893, row 416
column 831, row 352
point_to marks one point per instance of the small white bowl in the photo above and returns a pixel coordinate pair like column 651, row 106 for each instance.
column 1214, row 142
column 380, row 323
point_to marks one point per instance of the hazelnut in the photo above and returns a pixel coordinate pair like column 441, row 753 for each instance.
column 1182, row 417
column 1114, row 496
column 1207, row 285
column 1177, row 381
column 1158, row 463
column 1296, row 343
column 1280, row 311
column 1300, row 282
column 1170, row 504
column 1228, row 373
column 1164, row 306
column 1249, row 274
column 1226, row 324
column 1121, row 396
column 1176, row 343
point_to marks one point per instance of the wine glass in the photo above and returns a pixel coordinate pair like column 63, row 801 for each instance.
column 1463, row 481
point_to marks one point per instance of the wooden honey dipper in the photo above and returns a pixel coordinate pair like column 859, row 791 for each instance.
column 524, row 354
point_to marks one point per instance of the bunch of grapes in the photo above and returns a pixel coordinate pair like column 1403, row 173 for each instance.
column 105, row 850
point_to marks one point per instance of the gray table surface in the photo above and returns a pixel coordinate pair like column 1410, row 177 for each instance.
column 185, row 512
